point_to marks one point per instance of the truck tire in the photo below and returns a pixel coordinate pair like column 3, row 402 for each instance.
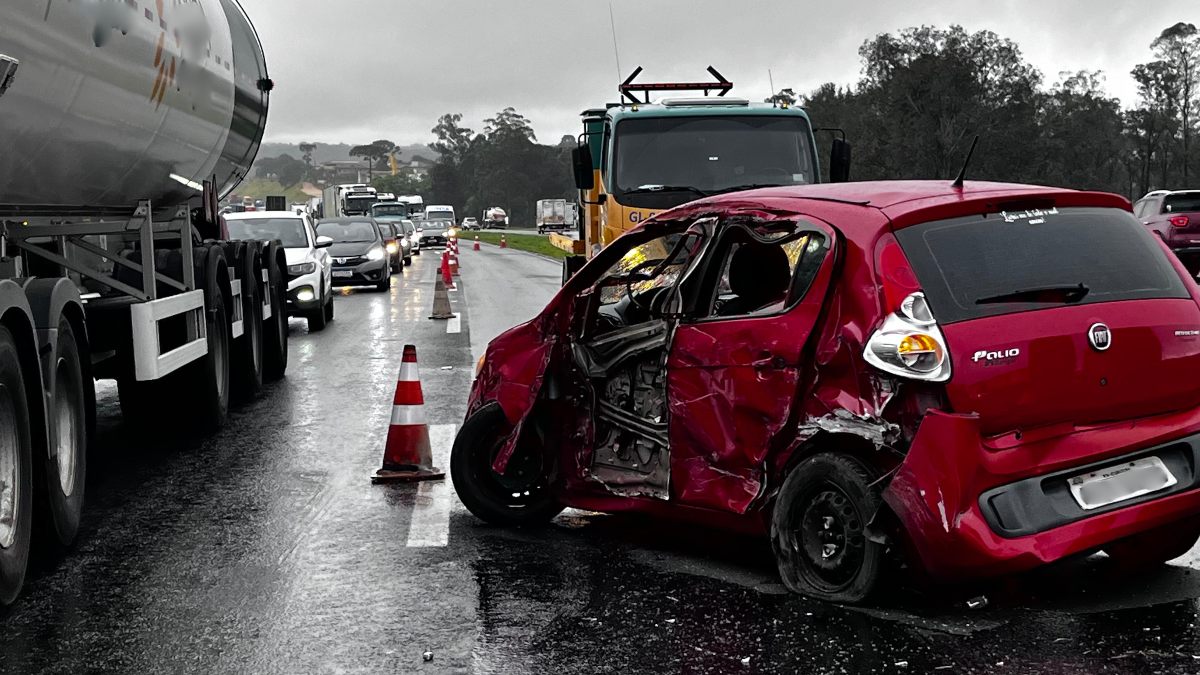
column 208, row 378
column 16, row 471
column 275, row 329
column 248, row 351
column 62, row 475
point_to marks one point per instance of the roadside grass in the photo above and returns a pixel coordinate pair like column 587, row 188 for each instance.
column 534, row 243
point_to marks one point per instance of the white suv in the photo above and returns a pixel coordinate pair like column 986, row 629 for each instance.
column 309, row 270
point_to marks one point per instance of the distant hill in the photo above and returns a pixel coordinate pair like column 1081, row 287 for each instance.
column 328, row 152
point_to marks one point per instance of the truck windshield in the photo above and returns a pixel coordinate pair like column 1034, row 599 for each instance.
column 390, row 210
column 711, row 154
column 359, row 204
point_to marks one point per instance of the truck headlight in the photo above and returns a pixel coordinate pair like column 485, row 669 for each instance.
column 376, row 253
column 302, row 268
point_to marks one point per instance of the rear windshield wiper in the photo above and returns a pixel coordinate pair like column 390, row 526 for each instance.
column 1042, row 294
column 643, row 189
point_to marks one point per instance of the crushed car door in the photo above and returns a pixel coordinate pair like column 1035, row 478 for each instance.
column 624, row 360
column 734, row 368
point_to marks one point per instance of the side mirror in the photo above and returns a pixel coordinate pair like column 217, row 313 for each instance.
column 581, row 159
column 571, row 265
column 839, row 161
column 324, row 242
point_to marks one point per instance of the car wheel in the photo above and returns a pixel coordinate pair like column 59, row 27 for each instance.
column 818, row 529
column 384, row 284
column 522, row 496
column 329, row 309
column 1153, row 548
column 408, row 261
column 16, row 471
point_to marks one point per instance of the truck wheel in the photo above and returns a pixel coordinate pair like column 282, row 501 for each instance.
column 522, row 496
column 16, row 474
column 818, row 529
column 275, row 329
column 208, row 378
column 62, row 475
column 248, row 361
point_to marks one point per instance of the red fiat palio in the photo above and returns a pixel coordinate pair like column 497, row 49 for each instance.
column 983, row 379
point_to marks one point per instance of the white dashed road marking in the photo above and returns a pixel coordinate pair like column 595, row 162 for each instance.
column 454, row 325
column 430, row 525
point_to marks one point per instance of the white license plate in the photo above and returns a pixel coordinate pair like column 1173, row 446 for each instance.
column 343, row 273
column 1117, row 483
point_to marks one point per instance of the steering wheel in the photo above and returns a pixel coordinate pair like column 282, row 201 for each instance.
column 633, row 276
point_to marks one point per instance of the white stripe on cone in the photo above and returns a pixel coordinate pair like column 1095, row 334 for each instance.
column 406, row 415
column 408, row 373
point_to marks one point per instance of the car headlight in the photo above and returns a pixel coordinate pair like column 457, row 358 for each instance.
column 376, row 253
column 302, row 268
column 391, row 247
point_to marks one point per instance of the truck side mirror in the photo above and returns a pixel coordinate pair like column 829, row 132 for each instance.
column 839, row 161
column 581, row 159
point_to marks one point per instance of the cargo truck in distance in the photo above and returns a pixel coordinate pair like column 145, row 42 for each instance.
column 495, row 219
column 555, row 215
column 350, row 199
column 116, row 142
column 638, row 158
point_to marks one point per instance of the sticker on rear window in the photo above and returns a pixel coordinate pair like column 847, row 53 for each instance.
column 1034, row 216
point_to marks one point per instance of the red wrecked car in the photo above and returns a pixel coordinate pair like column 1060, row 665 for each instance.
column 981, row 379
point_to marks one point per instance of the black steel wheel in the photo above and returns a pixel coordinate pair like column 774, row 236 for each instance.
column 16, row 471
column 521, row 496
column 248, row 353
column 818, row 529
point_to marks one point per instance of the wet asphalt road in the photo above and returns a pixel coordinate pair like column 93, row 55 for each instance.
column 266, row 549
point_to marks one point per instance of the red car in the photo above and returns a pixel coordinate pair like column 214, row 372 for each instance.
column 1174, row 215
column 981, row 379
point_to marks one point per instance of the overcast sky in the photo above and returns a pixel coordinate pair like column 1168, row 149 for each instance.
column 357, row 70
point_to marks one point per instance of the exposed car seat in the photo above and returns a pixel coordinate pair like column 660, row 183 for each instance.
column 759, row 275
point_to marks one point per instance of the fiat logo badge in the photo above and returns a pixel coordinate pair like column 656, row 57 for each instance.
column 1100, row 337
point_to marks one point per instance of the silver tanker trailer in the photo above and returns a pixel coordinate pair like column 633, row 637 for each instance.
column 122, row 122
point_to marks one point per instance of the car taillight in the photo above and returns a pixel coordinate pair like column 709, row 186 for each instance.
column 1180, row 221
column 910, row 344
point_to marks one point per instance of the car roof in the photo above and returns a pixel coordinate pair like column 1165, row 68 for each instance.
column 346, row 220
column 257, row 215
column 904, row 202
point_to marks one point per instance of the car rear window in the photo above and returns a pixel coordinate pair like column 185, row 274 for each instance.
column 964, row 260
column 1185, row 203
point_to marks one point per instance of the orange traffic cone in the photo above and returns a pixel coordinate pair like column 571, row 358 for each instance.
column 446, row 274
column 476, row 242
column 454, row 263
column 408, row 456
column 503, row 242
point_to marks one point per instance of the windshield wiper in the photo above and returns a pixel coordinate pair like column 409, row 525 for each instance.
column 1062, row 293
column 748, row 186
column 643, row 189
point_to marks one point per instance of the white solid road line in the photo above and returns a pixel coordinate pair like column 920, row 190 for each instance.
column 430, row 525
column 454, row 325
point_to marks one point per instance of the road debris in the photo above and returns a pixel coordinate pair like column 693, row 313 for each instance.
column 427, row 656
column 978, row 602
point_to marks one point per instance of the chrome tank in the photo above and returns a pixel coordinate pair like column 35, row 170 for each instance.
column 114, row 101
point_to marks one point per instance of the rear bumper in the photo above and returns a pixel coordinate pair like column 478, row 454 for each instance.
column 970, row 509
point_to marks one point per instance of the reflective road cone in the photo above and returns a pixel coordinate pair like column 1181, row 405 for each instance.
column 408, row 456
column 476, row 242
column 503, row 242
column 446, row 274
column 454, row 263
column 441, row 301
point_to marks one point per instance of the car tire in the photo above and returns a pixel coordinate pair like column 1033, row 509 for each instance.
column 16, row 465
column 329, row 309
column 491, row 497
column 408, row 261
column 61, row 478
column 317, row 319
column 384, row 284
column 1153, row 548
column 818, row 529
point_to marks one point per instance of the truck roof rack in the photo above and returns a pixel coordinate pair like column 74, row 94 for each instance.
column 629, row 88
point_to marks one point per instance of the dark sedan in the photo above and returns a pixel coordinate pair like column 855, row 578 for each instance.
column 358, row 251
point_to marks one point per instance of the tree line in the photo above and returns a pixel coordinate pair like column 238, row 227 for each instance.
column 925, row 93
